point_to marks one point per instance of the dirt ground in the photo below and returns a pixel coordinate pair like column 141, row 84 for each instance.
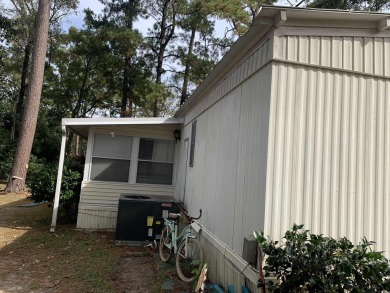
column 34, row 260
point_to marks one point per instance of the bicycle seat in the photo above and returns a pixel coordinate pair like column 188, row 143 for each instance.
column 173, row 216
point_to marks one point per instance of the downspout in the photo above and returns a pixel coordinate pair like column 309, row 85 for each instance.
column 59, row 179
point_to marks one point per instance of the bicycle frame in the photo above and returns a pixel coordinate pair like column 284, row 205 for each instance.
column 188, row 251
column 176, row 240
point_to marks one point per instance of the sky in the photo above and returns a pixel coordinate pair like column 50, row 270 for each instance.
column 77, row 19
column 142, row 25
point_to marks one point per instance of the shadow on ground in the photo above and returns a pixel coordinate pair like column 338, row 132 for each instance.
column 35, row 260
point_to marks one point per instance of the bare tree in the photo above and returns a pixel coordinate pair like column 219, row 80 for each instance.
column 31, row 108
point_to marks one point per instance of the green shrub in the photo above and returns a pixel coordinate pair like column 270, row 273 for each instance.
column 306, row 262
column 7, row 150
column 42, row 178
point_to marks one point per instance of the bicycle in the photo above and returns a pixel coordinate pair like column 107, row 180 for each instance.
column 189, row 254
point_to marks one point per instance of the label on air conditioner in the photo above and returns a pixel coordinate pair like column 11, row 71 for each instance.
column 150, row 232
column 149, row 221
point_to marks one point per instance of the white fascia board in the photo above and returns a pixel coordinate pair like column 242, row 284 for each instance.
column 120, row 121
column 384, row 24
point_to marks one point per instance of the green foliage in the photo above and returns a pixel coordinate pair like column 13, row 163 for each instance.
column 5, row 26
column 307, row 262
column 42, row 178
column 377, row 5
column 7, row 150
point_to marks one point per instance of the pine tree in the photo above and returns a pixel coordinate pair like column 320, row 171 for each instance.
column 30, row 112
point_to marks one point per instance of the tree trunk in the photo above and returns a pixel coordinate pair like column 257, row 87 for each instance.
column 31, row 108
column 159, row 72
column 126, row 111
column 23, row 79
column 164, row 38
column 22, row 90
column 184, row 89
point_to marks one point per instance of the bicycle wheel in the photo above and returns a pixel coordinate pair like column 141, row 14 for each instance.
column 165, row 247
column 189, row 259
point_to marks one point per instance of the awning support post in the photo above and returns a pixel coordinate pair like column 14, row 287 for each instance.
column 59, row 180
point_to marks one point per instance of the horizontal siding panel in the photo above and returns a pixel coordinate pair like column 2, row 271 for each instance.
column 328, row 160
column 362, row 54
column 99, row 201
column 92, row 218
column 96, row 186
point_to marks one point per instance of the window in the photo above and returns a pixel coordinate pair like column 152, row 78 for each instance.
column 111, row 158
column 192, row 147
column 120, row 158
column 155, row 161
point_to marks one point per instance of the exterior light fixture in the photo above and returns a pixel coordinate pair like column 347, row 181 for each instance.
column 177, row 135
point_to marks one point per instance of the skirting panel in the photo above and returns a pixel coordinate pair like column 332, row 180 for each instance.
column 91, row 218
column 225, row 267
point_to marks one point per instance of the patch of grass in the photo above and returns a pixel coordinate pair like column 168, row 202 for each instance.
column 87, row 259
column 68, row 260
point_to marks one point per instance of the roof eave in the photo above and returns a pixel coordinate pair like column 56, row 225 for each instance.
column 271, row 17
column 120, row 121
column 81, row 125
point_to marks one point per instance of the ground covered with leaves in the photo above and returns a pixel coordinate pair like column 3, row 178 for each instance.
column 35, row 260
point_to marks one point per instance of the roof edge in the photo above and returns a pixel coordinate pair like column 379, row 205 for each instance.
column 270, row 18
column 120, row 121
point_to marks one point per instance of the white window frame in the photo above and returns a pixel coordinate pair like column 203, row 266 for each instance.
column 112, row 158
column 132, row 178
column 154, row 161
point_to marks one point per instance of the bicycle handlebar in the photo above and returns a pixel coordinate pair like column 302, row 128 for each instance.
column 185, row 212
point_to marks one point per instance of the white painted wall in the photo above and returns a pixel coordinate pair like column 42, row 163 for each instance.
column 228, row 177
column 98, row 205
column 99, row 200
column 300, row 137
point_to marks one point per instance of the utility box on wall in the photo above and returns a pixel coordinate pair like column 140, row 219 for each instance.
column 141, row 218
column 249, row 250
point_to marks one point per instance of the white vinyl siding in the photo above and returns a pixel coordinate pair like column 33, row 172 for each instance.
column 231, row 148
column 99, row 201
column 302, row 137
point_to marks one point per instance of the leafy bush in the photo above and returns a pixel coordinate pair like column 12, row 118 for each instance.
column 306, row 262
column 42, row 178
column 7, row 150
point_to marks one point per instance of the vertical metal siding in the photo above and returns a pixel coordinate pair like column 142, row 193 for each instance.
column 329, row 148
column 227, row 157
column 362, row 54
column 229, row 173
